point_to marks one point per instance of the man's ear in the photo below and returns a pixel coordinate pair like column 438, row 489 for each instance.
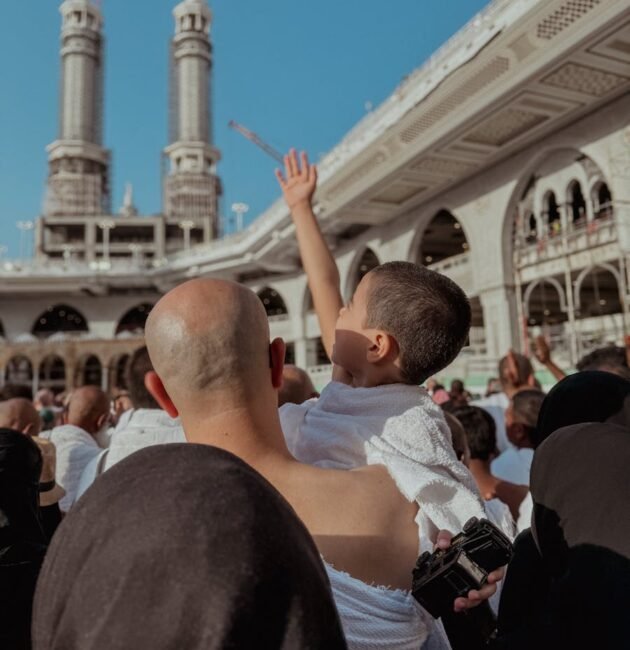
column 101, row 421
column 383, row 347
column 155, row 386
column 277, row 353
column 28, row 430
column 516, row 434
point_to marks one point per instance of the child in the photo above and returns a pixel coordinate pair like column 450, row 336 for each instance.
column 403, row 325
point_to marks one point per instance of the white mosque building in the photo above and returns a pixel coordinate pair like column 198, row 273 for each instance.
column 503, row 162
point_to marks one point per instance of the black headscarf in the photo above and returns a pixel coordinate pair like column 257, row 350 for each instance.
column 580, row 486
column 183, row 547
column 22, row 542
column 590, row 396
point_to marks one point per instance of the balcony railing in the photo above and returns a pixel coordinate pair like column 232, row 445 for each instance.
column 577, row 237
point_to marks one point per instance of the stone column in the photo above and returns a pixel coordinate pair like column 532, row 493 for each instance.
column 500, row 319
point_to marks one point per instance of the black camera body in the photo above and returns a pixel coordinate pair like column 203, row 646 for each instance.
column 441, row 577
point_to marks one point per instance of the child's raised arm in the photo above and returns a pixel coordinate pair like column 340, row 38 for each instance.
column 298, row 186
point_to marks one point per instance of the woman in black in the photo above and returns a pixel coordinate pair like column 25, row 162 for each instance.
column 183, row 547
column 22, row 541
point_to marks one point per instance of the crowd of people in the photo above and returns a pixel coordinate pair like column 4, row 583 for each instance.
column 222, row 502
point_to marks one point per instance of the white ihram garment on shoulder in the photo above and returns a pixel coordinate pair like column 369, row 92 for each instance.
column 395, row 425
column 400, row 427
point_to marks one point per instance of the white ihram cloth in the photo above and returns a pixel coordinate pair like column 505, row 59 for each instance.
column 384, row 619
column 75, row 449
column 144, row 428
column 395, row 425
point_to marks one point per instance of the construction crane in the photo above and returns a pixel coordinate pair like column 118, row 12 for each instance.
column 259, row 142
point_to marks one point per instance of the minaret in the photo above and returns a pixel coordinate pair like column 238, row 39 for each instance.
column 78, row 163
column 192, row 187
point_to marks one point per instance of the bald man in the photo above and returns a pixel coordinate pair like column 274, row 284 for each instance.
column 85, row 418
column 297, row 386
column 20, row 415
column 216, row 368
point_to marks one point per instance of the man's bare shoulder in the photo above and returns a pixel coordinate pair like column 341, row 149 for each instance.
column 367, row 496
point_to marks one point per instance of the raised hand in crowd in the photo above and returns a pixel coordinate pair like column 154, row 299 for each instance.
column 542, row 352
column 298, row 184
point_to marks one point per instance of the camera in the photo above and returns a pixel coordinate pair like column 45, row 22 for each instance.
column 446, row 574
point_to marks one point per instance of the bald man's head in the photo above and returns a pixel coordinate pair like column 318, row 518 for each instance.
column 297, row 386
column 88, row 409
column 19, row 414
column 208, row 335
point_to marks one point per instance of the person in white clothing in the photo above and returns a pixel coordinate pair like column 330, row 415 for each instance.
column 403, row 324
column 521, row 416
column 144, row 425
column 86, row 416
column 217, row 369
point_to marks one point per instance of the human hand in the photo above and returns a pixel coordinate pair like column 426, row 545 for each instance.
column 475, row 596
column 542, row 352
column 301, row 179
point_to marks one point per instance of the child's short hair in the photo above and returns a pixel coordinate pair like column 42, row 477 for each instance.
column 426, row 312
column 481, row 431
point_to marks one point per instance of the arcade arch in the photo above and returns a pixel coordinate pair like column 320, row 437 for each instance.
column 274, row 303
column 443, row 238
column 59, row 318
column 52, row 373
column 134, row 320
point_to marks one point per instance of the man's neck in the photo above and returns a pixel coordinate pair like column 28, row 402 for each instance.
column 480, row 469
column 249, row 431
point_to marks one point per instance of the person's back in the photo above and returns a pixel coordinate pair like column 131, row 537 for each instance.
column 209, row 343
column 146, row 424
column 86, row 416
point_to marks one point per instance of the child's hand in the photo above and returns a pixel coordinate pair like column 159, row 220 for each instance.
column 301, row 180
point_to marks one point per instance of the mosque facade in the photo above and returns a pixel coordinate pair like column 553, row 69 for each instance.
column 503, row 162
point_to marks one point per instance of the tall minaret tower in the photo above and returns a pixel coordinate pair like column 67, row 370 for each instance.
column 192, row 187
column 78, row 163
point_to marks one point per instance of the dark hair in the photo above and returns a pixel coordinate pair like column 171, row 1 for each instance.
column 457, row 386
column 524, row 369
column 427, row 314
column 137, row 367
column 526, row 405
column 481, row 431
column 13, row 391
column 611, row 358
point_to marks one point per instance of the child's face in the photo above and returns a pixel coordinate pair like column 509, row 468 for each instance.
column 351, row 342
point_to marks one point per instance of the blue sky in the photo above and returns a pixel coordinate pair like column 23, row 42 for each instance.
column 297, row 73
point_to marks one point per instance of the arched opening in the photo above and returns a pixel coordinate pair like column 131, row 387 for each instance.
column 599, row 310
column 551, row 214
column 544, row 304
column 598, row 294
column 121, row 372
column 59, row 318
column 19, row 371
column 602, row 199
column 362, row 267
column 52, row 374
column 532, row 230
column 134, row 320
column 577, row 203
column 443, row 238
column 89, row 372
column 274, row 304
